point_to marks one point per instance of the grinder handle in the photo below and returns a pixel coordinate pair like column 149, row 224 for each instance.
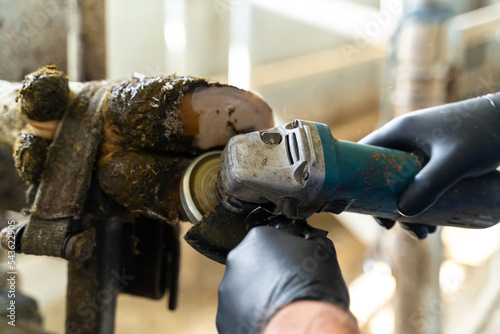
column 471, row 203
column 369, row 180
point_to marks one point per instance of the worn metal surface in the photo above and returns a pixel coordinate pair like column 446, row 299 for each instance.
column 32, row 34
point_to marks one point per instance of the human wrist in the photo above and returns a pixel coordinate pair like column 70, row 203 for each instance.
column 310, row 316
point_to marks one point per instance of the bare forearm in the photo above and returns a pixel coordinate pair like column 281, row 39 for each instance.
column 308, row 317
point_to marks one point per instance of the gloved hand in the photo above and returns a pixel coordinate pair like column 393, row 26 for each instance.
column 270, row 269
column 457, row 140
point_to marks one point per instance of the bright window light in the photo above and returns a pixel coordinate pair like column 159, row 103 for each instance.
column 451, row 277
column 174, row 29
column 382, row 322
column 370, row 291
column 469, row 246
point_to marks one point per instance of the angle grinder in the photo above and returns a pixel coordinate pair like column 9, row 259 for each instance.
column 295, row 170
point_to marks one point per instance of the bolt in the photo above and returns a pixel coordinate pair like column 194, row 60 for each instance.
column 295, row 123
column 80, row 246
column 305, row 176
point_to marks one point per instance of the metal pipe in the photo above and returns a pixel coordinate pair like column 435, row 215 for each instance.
column 93, row 285
column 421, row 66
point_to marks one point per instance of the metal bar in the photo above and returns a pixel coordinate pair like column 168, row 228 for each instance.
column 108, row 252
column 420, row 80
column 417, row 299
column 94, row 285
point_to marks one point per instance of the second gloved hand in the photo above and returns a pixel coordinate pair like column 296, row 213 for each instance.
column 457, row 140
column 270, row 269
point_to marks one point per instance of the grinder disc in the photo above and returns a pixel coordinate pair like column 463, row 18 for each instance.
column 197, row 188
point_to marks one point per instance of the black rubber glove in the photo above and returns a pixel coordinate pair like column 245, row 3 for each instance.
column 270, row 269
column 458, row 140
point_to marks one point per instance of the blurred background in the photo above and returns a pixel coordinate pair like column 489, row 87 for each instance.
column 351, row 64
